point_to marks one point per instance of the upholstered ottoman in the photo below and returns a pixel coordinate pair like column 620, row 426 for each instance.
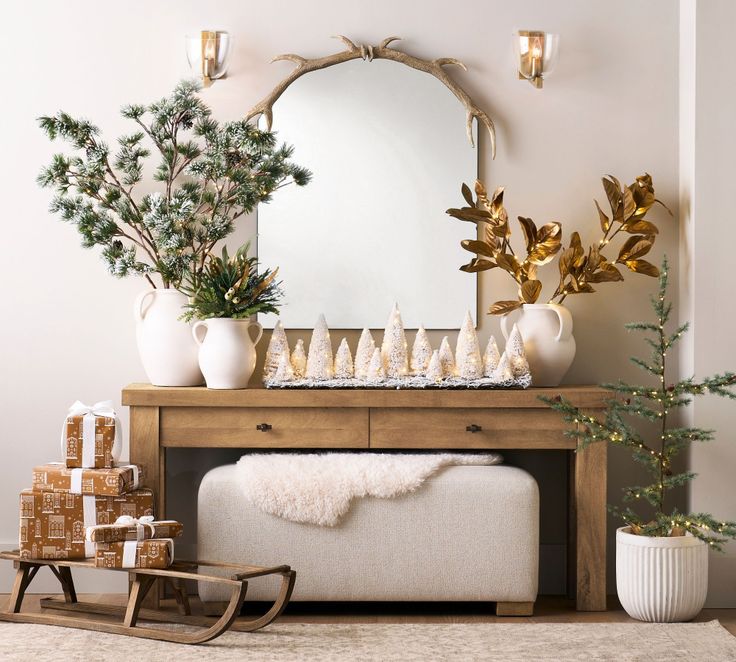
column 468, row 533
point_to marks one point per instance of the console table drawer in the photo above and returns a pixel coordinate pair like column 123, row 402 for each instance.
column 467, row 428
column 265, row 427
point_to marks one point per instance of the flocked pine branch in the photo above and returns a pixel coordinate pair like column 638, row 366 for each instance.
column 656, row 451
column 209, row 174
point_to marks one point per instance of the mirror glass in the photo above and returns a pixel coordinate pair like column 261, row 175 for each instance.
column 388, row 150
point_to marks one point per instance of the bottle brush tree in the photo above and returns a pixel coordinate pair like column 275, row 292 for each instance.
column 207, row 176
column 656, row 442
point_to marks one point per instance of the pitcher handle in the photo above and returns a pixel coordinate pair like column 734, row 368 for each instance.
column 565, row 318
column 260, row 331
column 201, row 324
column 138, row 305
column 505, row 321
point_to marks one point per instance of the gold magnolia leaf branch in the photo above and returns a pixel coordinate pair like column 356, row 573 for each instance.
column 369, row 53
column 578, row 269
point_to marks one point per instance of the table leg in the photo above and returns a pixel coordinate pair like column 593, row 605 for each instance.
column 590, row 515
column 146, row 451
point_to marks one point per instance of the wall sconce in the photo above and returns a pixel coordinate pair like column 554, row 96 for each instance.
column 207, row 54
column 536, row 54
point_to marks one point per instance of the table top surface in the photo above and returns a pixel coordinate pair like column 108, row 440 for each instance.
column 146, row 395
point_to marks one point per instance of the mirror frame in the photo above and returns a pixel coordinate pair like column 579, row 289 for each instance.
column 383, row 52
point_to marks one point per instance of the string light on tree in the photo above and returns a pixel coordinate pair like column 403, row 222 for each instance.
column 364, row 354
column 491, row 357
column 299, row 360
column 394, row 348
column 276, row 347
column 376, row 373
column 447, row 360
column 285, row 371
column 434, row 369
column 467, row 351
column 343, row 361
column 319, row 360
column 421, row 353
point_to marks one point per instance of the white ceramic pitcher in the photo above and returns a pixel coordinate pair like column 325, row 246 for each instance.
column 548, row 341
column 227, row 353
column 165, row 345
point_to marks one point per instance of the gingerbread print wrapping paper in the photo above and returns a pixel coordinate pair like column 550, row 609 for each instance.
column 55, row 477
column 91, row 437
column 155, row 553
column 53, row 524
column 128, row 528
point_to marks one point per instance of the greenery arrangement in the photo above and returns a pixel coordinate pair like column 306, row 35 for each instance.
column 653, row 405
column 231, row 287
column 578, row 270
column 210, row 174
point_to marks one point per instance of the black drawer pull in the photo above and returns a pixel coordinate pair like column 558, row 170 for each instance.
column 264, row 427
column 473, row 428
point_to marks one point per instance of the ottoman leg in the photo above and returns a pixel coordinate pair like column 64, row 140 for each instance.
column 514, row 608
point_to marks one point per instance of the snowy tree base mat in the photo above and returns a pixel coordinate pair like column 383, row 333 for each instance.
column 524, row 381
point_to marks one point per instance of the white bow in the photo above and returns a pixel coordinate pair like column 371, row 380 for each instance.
column 101, row 408
column 139, row 524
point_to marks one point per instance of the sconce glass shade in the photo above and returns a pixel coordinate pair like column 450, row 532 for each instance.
column 207, row 53
column 535, row 53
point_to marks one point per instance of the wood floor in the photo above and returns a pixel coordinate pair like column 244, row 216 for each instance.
column 548, row 609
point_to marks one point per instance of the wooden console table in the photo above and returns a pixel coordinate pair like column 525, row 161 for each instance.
column 195, row 417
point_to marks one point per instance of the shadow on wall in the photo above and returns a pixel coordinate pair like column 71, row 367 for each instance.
column 187, row 467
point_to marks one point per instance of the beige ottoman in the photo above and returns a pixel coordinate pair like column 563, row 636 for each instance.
column 469, row 533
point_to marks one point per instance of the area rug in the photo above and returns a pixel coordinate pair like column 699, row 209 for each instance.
column 622, row 642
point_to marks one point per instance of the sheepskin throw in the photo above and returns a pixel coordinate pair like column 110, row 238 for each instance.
column 317, row 488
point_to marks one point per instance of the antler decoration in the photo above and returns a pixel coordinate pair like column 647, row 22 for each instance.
column 383, row 52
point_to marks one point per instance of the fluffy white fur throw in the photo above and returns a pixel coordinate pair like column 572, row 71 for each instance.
column 318, row 488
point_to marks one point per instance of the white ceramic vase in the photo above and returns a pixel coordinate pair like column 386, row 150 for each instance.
column 165, row 345
column 661, row 580
column 227, row 353
column 548, row 341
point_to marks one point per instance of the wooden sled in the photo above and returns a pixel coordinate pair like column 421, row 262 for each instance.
column 141, row 580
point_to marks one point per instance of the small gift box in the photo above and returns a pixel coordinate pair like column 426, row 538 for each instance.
column 53, row 524
column 91, row 436
column 129, row 528
column 154, row 553
column 55, row 477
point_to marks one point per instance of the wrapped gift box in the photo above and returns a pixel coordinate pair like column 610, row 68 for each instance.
column 53, row 524
column 154, row 553
column 130, row 529
column 91, row 440
column 55, row 477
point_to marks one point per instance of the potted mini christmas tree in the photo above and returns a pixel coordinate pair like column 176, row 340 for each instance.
column 661, row 553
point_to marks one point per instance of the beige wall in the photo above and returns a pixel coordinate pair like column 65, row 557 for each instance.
column 67, row 331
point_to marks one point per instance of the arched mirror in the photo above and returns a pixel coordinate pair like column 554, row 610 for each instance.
column 388, row 146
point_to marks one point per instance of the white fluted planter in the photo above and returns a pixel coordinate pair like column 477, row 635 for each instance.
column 661, row 580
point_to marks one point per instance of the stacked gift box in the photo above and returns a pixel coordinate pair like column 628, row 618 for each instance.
column 90, row 505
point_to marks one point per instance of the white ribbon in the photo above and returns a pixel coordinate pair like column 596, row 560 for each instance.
column 89, row 506
column 76, row 481
column 140, row 525
column 136, row 474
column 104, row 409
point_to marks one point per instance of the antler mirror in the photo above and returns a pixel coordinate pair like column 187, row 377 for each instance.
column 389, row 147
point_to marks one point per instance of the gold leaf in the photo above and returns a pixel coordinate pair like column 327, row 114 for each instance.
column 613, row 192
column 467, row 194
column 508, row 262
column 642, row 267
column 530, row 231
column 530, row 290
column 476, row 265
column 470, row 214
column 605, row 221
column 480, row 189
column 475, row 246
column 634, row 247
column 629, row 203
column 641, row 227
column 608, row 273
column 504, row 307
column 491, row 239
